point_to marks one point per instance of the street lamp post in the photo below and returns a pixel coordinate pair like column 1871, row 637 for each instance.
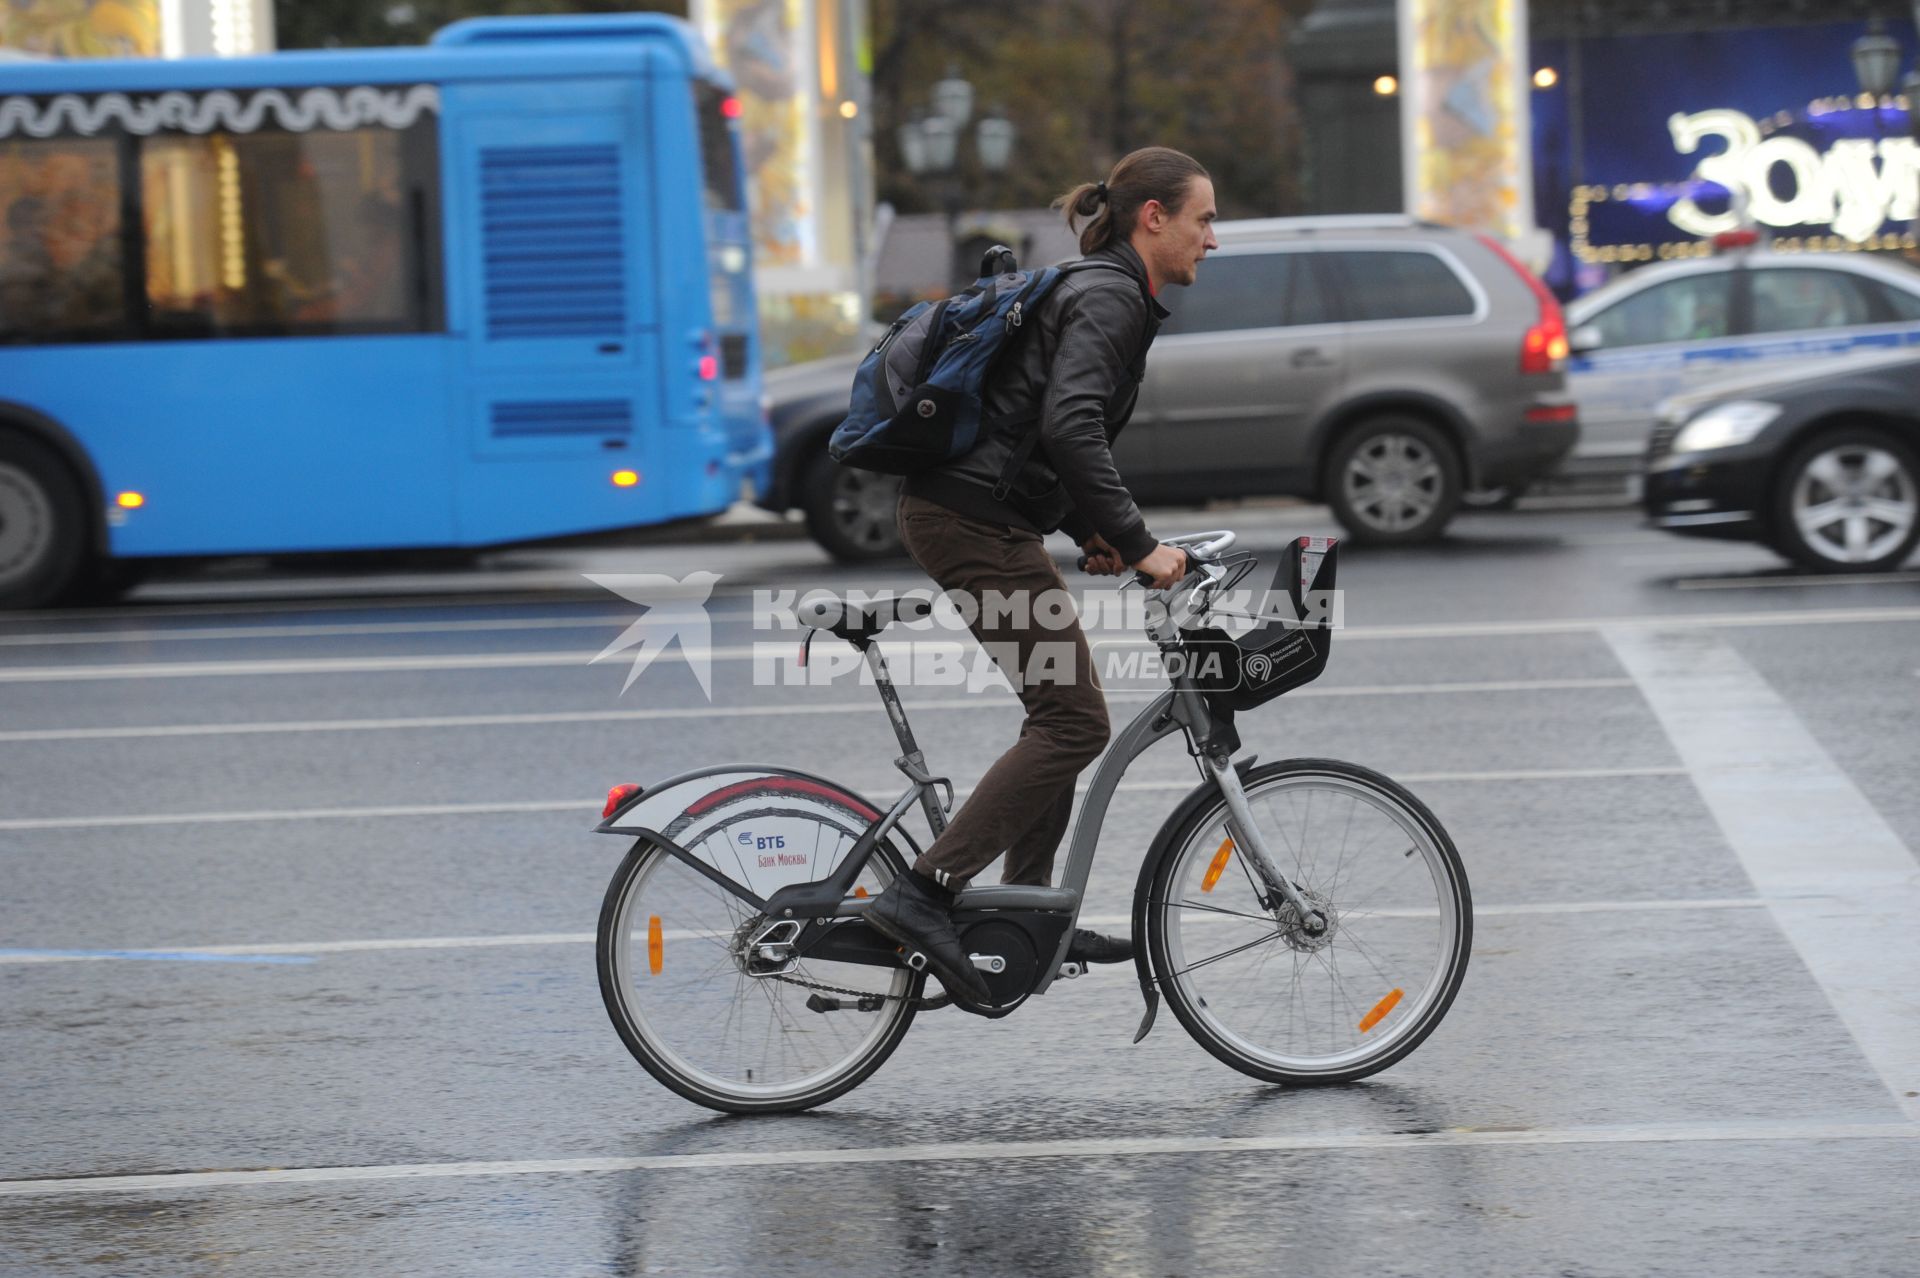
column 930, row 146
column 1876, row 63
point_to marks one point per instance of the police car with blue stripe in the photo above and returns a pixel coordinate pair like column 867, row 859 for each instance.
column 1677, row 327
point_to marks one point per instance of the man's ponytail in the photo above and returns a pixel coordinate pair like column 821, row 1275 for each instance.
column 1112, row 207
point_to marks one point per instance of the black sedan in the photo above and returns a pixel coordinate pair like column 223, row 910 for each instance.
column 1825, row 468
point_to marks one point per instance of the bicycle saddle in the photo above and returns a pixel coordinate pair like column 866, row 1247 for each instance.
column 857, row 623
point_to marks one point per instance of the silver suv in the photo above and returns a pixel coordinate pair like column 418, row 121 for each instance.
column 1382, row 365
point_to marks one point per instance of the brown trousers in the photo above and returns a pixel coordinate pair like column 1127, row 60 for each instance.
column 1003, row 579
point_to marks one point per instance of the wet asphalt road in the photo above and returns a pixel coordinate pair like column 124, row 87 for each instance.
column 300, row 887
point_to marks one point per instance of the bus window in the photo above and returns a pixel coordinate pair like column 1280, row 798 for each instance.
column 61, row 273
column 297, row 233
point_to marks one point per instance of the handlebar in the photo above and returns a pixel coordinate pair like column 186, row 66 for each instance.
column 1202, row 549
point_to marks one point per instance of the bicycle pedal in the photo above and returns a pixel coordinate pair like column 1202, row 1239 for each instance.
column 916, row 960
column 1071, row 969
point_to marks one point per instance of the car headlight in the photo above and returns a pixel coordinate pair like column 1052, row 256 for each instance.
column 1725, row 426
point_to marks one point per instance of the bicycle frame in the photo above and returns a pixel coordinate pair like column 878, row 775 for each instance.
column 1211, row 741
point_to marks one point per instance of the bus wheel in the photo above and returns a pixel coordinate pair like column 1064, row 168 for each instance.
column 42, row 524
column 850, row 512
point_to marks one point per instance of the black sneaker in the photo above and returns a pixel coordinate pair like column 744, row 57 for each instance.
column 1091, row 947
column 911, row 915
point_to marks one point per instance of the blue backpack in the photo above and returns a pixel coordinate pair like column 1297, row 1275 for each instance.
column 917, row 396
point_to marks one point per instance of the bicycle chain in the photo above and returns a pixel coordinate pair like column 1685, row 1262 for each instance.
column 753, row 924
column 941, row 1001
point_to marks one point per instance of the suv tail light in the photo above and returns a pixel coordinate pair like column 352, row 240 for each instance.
column 1544, row 348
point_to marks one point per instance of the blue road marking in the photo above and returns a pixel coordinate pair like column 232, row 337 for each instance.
column 159, row 956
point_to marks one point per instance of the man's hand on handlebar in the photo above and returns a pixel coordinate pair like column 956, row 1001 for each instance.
column 1101, row 560
column 1166, row 565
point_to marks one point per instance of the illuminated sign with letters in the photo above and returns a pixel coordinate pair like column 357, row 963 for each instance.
column 1646, row 147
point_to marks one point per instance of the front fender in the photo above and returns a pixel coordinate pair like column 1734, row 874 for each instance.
column 1190, row 807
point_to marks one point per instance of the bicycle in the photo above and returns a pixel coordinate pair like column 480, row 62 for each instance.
column 768, row 993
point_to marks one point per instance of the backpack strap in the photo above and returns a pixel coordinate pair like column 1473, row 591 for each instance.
column 1031, row 438
column 1016, row 459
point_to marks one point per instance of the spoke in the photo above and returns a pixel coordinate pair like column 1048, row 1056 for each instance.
column 1829, row 470
column 1366, row 952
column 1859, row 537
column 1258, row 940
column 1815, row 517
column 1215, row 909
column 1878, row 466
column 1896, row 514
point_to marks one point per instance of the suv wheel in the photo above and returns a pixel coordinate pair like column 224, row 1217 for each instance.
column 1393, row 480
column 1848, row 501
column 42, row 525
column 851, row 512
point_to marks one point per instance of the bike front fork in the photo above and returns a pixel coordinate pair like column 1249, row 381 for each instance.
column 1246, row 836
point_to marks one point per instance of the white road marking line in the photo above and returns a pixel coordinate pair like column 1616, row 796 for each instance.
column 207, row 634
column 748, row 652
column 1810, row 579
column 866, row 706
column 978, row 1151
column 1845, row 889
column 24, row 955
column 586, row 807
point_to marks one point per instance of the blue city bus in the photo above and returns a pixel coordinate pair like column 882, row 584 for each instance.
column 493, row 290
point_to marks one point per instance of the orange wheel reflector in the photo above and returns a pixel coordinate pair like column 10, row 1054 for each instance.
column 657, row 945
column 1219, row 864
column 860, row 892
column 1380, row 1010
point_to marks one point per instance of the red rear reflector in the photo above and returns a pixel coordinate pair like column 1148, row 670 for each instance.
column 617, row 796
column 730, row 107
column 1553, row 413
column 1544, row 347
column 709, row 368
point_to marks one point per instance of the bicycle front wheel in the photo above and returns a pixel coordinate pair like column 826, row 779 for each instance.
column 694, row 996
column 1286, row 999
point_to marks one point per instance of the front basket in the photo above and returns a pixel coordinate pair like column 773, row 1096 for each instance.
column 1290, row 643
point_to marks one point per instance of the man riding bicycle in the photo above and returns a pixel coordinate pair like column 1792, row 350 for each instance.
column 1059, row 401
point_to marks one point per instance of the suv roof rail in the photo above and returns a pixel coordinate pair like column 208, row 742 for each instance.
column 1330, row 222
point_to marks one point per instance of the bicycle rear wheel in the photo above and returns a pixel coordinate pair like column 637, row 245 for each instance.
column 1255, row 985
column 695, row 1005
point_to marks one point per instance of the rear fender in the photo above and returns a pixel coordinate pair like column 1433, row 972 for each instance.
column 750, row 863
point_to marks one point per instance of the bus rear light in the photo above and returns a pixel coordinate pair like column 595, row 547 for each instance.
column 1544, row 348
column 617, row 796
column 625, row 478
column 730, row 107
column 130, row 501
column 709, row 368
